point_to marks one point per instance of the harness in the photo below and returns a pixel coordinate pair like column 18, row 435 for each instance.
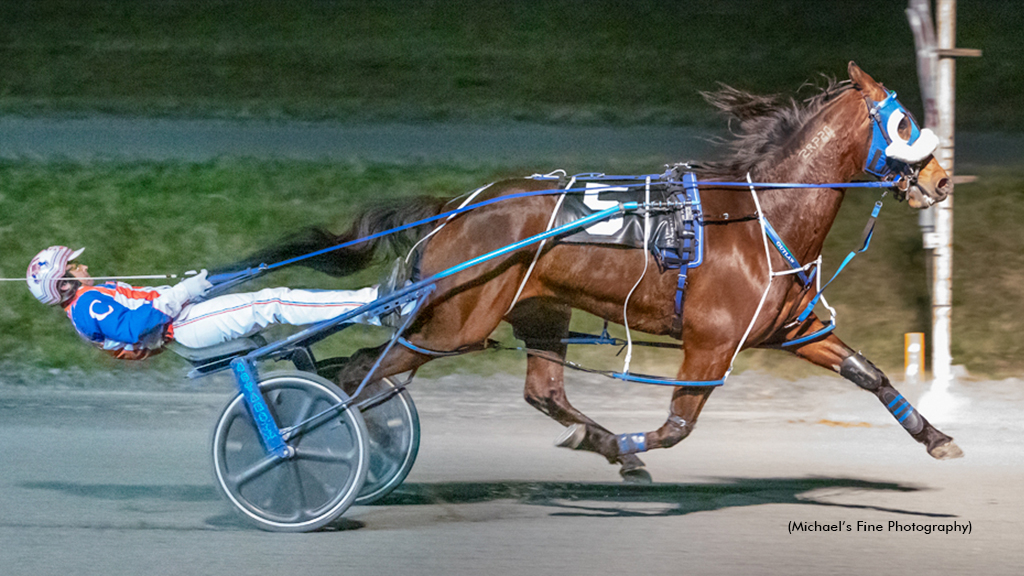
column 672, row 207
column 678, row 243
column 675, row 235
column 670, row 225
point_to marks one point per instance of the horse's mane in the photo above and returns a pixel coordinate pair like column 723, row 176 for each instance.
column 760, row 126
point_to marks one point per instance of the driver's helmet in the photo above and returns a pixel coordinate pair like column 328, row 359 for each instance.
column 46, row 270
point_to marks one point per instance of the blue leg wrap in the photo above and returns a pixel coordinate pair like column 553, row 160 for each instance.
column 632, row 443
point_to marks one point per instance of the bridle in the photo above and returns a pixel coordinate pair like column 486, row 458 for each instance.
column 891, row 157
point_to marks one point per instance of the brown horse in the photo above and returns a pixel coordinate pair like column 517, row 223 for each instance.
column 825, row 139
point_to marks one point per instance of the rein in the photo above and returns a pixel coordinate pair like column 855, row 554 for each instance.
column 136, row 277
column 224, row 282
column 250, row 272
column 227, row 280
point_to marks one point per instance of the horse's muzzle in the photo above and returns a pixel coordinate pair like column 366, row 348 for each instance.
column 932, row 185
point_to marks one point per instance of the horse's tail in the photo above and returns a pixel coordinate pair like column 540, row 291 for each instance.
column 345, row 261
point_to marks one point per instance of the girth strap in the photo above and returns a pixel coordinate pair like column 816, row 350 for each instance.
column 692, row 198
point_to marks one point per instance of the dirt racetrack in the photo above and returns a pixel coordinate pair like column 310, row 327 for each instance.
column 107, row 483
column 96, row 481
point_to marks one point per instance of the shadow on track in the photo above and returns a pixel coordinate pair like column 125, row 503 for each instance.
column 566, row 499
column 118, row 492
column 622, row 500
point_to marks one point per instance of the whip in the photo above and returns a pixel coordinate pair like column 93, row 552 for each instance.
column 137, row 277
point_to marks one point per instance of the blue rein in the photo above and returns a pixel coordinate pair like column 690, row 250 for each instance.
column 223, row 282
column 228, row 280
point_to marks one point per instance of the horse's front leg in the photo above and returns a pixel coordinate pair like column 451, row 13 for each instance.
column 830, row 352
column 542, row 324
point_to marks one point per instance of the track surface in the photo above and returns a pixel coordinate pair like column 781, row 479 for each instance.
column 108, row 483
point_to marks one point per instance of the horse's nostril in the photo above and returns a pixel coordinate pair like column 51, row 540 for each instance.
column 945, row 186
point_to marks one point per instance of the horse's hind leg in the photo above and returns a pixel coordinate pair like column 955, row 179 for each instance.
column 542, row 324
column 687, row 401
column 398, row 360
column 830, row 352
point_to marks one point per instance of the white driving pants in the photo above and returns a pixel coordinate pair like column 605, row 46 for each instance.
column 236, row 315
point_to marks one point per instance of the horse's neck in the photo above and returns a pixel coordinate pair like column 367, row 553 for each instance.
column 829, row 149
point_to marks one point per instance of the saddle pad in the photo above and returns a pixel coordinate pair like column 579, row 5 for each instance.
column 676, row 231
column 594, row 196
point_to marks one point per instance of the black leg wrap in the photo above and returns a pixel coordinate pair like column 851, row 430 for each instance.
column 862, row 372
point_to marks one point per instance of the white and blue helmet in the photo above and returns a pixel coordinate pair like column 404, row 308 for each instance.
column 47, row 269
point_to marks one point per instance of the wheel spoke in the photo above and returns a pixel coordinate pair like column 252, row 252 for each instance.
column 304, row 411
column 371, row 477
column 329, row 457
column 373, row 444
column 302, row 507
column 387, row 461
column 328, row 489
column 255, row 471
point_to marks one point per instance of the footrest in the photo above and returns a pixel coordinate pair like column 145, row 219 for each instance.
column 216, row 358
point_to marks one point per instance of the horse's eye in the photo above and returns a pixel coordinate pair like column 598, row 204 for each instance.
column 904, row 128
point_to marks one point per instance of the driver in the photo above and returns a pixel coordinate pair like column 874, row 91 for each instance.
column 133, row 323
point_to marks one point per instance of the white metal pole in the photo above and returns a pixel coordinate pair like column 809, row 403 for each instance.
column 942, row 256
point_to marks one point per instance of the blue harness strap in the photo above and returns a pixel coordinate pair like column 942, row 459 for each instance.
column 646, row 379
column 809, row 337
column 869, row 231
column 787, row 254
column 691, row 248
column 443, row 353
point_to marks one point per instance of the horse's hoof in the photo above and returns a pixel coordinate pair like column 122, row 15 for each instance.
column 947, row 451
column 636, row 476
column 572, row 437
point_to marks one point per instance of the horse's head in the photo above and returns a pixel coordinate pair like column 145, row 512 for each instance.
column 898, row 149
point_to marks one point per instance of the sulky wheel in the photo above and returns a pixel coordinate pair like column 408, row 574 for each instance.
column 394, row 432
column 319, row 482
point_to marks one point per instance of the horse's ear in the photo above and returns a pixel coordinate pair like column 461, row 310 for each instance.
column 865, row 83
